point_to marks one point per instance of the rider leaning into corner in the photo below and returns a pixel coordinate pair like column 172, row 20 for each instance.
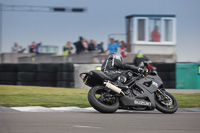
column 116, row 69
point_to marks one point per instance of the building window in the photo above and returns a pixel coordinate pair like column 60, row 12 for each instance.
column 154, row 30
column 141, row 30
column 168, row 30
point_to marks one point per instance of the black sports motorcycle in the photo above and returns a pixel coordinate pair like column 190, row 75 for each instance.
column 144, row 92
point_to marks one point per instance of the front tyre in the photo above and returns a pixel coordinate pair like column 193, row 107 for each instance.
column 102, row 101
column 165, row 102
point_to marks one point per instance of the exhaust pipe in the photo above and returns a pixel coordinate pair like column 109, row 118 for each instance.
column 114, row 88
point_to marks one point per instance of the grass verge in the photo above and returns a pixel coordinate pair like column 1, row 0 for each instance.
column 19, row 96
column 16, row 96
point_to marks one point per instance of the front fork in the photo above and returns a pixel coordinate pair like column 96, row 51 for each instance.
column 164, row 96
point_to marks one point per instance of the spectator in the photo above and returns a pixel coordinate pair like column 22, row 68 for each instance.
column 67, row 49
column 155, row 35
column 100, row 47
column 92, row 45
column 123, row 49
column 79, row 45
column 32, row 47
column 37, row 48
column 118, row 42
column 15, row 48
column 21, row 49
column 112, row 47
column 85, row 44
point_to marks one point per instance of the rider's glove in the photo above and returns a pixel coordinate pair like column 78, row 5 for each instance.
column 140, row 70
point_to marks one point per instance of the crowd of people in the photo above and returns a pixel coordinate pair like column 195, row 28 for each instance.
column 33, row 48
column 17, row 49
column 82, row 45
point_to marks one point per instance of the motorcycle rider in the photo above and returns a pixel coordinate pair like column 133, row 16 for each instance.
column 116, row 69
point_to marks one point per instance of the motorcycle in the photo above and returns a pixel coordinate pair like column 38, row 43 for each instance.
column 144, row 92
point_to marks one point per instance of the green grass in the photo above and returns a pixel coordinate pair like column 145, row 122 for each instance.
column 187, row 100
column 18, row 96
column 15, row 96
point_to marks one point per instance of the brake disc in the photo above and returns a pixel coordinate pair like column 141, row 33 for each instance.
column 168, row 102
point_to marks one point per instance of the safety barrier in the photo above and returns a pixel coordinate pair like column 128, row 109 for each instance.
column 65, row 75
column 188, row 75
column 174, row 75
column 43, row 74
column 167, row 72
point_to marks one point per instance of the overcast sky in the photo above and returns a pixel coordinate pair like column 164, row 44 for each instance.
column 102, row 18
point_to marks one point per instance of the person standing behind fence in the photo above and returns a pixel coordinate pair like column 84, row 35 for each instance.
column 37, row 48
column 123, row 49
column 67, row 49
column 32, row 47
column 79, row 45
column 85, row 44
column 100, row 48
column 92, row 45
column 112, row 47
column 15, row 48
column 21, row 49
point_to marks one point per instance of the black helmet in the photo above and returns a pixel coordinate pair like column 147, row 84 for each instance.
column 116, row 56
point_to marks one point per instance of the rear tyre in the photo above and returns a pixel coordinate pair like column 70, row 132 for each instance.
column 167, row 106
column 102, row 101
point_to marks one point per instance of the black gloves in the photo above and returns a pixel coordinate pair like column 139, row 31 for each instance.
column 141, row 70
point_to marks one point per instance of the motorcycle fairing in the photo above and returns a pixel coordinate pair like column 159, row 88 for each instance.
column 149, row 84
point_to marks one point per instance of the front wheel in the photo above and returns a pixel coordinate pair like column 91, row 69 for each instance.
column 165, row 102
column 101, row 100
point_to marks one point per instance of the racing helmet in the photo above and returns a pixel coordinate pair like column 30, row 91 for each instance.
column 116, row 56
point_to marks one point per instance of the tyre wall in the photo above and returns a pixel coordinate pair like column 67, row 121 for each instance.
column 167, row 72
column 65, row 75
column 174, row 75
column 8, row 74
column 43, row 74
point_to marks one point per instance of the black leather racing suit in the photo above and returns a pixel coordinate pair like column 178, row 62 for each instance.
column 114, row 68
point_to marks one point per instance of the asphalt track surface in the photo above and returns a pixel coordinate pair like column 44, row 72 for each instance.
column 94, row 122
column 87, row 120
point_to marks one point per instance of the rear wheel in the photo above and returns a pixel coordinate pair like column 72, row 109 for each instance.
column 100, row 99
column 165, row 102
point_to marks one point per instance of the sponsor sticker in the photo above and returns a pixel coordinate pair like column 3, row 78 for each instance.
column 199, row 70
